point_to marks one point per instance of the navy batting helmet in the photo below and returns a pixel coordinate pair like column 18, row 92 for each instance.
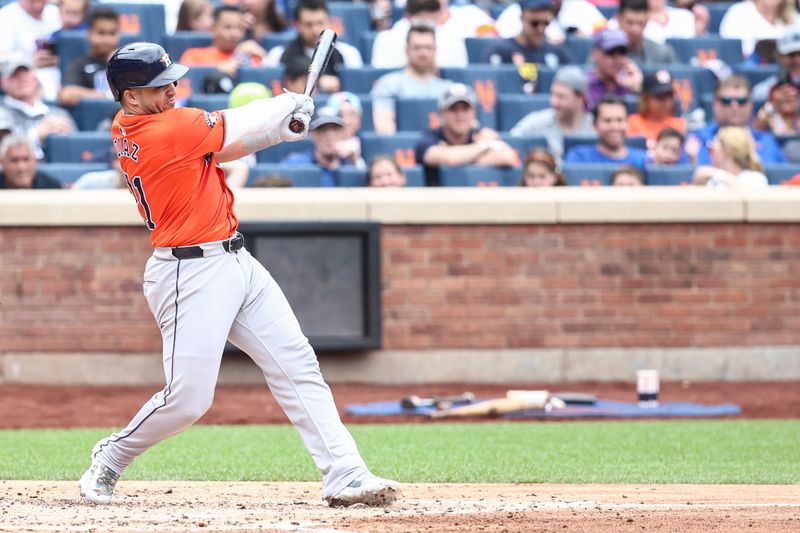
column 138, row 65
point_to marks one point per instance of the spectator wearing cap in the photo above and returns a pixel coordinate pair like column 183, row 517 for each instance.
column 755, row 20
column 348, row 105
column 19, row 165
column 611, row 123
column 229, row 50
column 632, row 19
column 458, row 142
column 780, row 114
column 614, row 73
column 788, row 47
column 530, row 45
column 327, row 129
column 656, row 108
column 574, row 17
column 733, row 106
column 567, row 113
column 23, row 107
column 86, row 76
column 419, row 79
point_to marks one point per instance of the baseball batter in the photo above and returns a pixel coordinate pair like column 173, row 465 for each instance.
column 203, row 286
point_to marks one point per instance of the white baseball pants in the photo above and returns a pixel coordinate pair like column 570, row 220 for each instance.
column 198, row 304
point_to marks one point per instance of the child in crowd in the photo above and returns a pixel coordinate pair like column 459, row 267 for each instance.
column 627, row 176
column 668, row 149
column 539, row 170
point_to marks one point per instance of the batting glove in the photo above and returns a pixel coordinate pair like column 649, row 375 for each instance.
column 302, row 103
column 286, row 134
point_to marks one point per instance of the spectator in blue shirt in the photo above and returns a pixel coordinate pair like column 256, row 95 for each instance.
column 530, row 46
column 611, row 123
column 733, row 106
column 327, row 129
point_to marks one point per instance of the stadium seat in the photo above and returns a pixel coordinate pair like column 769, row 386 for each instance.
column 400, row 145
column 417, row 114
column 272, row 77
column 697, row 50
column 357, row 177
column 180, row 41
column 274, row 154
column 365, row 42
column 78, row 147
column 68, row 173
column 90, row 112
column 524, row 144
column 578, row 49
column 608, row 11
column 192, row 83
column 670, row 175
column 478, row 176
column 145, row 21
column 350, row 20
column 478, row 47
column 361, row 80
column 301, row 175
column 208, row 102
column 570, row 141
column 755, row 74
column 588, row 174
column 268, row 42
column 777, row 174
column 511, row 108
column 716, row 10
column 72, row 44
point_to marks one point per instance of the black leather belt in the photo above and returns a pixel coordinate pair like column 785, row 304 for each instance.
column 233, row 244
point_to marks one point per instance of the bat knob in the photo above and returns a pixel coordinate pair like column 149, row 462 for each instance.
column 296, row 125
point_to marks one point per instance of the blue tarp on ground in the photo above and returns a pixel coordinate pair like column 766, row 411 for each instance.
column 601, row 409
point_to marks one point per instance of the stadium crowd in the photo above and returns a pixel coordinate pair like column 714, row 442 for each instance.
column 534, row 93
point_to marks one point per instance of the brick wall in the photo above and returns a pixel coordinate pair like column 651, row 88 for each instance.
column 627, row 285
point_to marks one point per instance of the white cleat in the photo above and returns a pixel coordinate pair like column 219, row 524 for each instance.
column 97, row 483
column 370, row 490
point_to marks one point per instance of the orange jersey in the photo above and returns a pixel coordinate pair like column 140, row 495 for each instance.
column 170, row 163
column 210, row 56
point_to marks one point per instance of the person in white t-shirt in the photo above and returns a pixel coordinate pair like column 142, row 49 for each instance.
column 25, row 30
column 667, row 22
column 574, row 17
column 734, row 162
column 452, row 27
column 755, row 20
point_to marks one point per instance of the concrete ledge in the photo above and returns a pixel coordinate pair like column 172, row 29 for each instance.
column 761, row 363
column 479, row 205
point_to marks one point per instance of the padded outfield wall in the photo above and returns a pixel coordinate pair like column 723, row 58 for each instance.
column 494, row 285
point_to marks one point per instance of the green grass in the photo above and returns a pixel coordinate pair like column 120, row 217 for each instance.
column 722, row 451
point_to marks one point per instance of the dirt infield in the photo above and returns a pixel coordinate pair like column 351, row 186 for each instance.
column 196, row 506
column 41, row 406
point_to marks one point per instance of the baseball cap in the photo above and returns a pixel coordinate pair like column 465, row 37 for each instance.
column 456, row 92
column 789, row 42
column 609, row 39
column 326, row 115
column 13, row 64
column 573, row 77
column 536, row 4
column 657, row 83
column 337, row 99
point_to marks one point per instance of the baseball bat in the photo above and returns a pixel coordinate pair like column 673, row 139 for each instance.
column 514, row 401
column 319, row 60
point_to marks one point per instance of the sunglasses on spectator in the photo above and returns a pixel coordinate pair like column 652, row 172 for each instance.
column 619, row 51
column 729, row 100
column 536, row 23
